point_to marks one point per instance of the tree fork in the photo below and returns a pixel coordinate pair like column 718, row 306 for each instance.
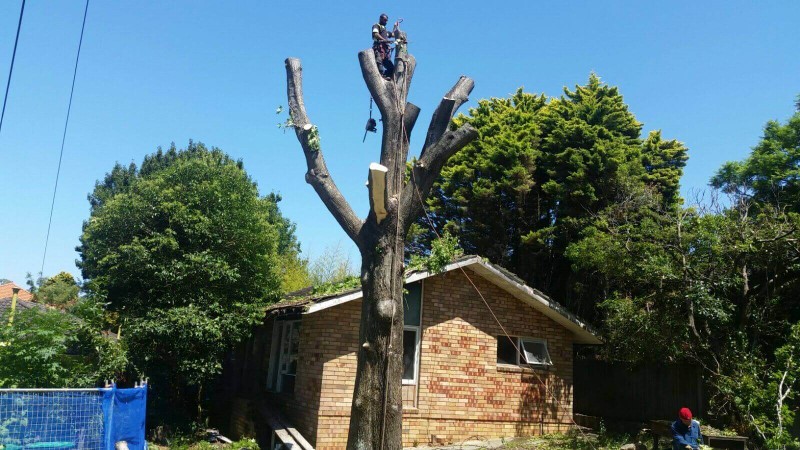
column 377, row 408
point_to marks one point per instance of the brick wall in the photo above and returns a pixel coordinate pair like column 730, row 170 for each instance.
column 462, row 391
column 241, row 421
column 334, row 334
column 245, row 381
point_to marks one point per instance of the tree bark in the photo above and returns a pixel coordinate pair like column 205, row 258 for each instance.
column 377, row 408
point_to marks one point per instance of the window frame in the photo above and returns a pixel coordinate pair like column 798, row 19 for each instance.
column 519, row 350
column 417, row 333
column 418, row 345
column 522, row 341
column 275, row 372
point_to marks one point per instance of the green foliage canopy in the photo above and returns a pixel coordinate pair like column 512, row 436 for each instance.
column 47, row 348
column 771, row 173
column 539, row 173
column 569, row 195
column 186, row 252
column 60, row 290
column 715, row 286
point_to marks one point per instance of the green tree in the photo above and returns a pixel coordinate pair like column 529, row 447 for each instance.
column 771, row 173
column 187, row 253
column 60, row 290
column 487, row 195
column 765, row 390
column 714, row 287
column 333, row 265
column 46, row 348
column 294, row 271
column 540, row 171
column 663, row 162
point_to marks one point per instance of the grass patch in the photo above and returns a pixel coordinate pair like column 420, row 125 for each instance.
column 192, row 444
column 573, row 440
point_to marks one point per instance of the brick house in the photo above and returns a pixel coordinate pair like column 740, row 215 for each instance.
column 462, row 376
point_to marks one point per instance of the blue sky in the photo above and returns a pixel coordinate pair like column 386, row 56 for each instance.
column 151, row 72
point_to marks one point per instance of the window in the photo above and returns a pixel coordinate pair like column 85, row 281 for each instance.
column 410, row 358
column 519, row 351
column 283, row 360
column 412, row 315
column 535, row 351
column 506, row 350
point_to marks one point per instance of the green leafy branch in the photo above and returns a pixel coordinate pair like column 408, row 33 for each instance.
column 313, row 131
column 444, row 250
column 286, row 124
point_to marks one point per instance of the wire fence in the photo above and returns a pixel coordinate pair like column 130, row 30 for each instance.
column 59, row 419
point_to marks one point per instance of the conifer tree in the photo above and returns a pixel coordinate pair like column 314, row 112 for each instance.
column 540, row 172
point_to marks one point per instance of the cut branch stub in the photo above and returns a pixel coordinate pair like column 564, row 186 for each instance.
column 428, row 168
column 294, row 87
column 410, row 119
column 444, row 113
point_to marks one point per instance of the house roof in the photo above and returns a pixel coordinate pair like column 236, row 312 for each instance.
column 6, row 292
column 5, row 305
column 23, row 303
column 306, row 303
column 23, row 298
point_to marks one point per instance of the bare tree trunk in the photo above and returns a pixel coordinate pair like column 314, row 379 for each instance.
column 376, row 413
column 377, row 409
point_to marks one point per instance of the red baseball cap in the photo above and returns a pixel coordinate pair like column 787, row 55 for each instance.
column 685, row 414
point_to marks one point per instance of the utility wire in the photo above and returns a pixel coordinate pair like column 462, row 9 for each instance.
column 64, row 137
column 11, row 69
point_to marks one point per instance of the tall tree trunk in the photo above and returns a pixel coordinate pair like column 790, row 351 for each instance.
column 376, row 414
column 377, row 409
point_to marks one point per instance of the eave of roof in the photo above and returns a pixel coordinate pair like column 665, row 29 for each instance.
column 584, row 334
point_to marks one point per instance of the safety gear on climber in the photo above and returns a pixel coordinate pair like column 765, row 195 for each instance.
column 380, row 46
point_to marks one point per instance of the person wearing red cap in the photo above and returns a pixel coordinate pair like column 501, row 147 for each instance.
column 686, row 432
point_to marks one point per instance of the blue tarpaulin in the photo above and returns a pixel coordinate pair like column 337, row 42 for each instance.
column 92, row 419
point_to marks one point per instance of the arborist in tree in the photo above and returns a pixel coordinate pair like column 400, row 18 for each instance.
column 380, row 45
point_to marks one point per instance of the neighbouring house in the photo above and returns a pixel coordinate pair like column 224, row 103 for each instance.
column 7, row 290
column 24, row 299
column 463, row 376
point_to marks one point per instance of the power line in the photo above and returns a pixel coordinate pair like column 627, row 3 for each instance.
column 11, row 69
column 64, row 137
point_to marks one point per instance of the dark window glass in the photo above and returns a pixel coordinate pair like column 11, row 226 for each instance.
column 506, row 350
column 535, row 352
column 287, row 384
column 409, row 354
column 412, row 302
